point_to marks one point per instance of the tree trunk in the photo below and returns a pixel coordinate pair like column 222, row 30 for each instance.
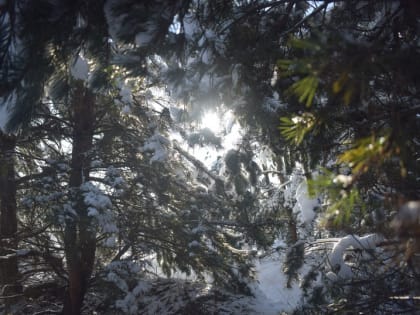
column 9, row 276
column 80, row 234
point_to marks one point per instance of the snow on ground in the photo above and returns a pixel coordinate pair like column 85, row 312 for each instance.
column 271, row 296
column 271, row 292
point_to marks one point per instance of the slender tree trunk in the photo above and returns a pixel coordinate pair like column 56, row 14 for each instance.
column 9, row 276
column 80, row 234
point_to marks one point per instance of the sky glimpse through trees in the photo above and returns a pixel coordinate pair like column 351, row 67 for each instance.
column 209, row 157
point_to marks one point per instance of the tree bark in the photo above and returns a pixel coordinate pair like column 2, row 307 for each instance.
column 9, row 275
column 80, row 234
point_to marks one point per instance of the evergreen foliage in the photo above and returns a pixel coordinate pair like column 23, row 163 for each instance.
column 105, row 100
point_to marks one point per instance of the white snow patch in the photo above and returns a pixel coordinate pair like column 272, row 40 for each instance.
column 156, row 144
column 297, row 197
column 344, row 180
column 305, row 205
column 212, row 121
column 292, row 185
column 274, row 78
column 190, row 26
column 340, row 269
column 94, row 197
column 99, row 207
column 272, row 294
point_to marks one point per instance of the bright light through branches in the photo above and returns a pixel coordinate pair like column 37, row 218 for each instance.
column 212, row 121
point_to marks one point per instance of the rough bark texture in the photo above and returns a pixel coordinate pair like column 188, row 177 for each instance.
column 9, row 275
column 80, row 235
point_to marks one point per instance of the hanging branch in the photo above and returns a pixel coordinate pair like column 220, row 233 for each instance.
column 199, row 165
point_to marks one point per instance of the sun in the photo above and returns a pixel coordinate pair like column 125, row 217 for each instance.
column 212, row 121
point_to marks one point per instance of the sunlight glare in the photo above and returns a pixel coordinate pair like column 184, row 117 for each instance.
column 212, row 121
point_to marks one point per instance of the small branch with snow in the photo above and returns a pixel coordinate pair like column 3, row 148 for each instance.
column 339, row 267
column 199, row 165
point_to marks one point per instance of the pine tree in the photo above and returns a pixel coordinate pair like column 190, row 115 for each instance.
column 356, row 99
column 97, row 170
column 343, row 81
column 341, row 76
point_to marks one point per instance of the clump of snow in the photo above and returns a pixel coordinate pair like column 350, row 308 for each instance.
column 297, row 197
column 157, row 144
column 305, row 205
column 271, row 293
column 274, row 78
column 99, row 207
column 128, row 305
column 121, row 273
column 124, row 267
column 94, row 197
column 292, row 184
column 190, row 26
column 339, row 268
column 344, row 180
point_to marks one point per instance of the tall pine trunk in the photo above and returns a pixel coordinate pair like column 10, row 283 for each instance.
column 80, row 234
column 9, row 275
